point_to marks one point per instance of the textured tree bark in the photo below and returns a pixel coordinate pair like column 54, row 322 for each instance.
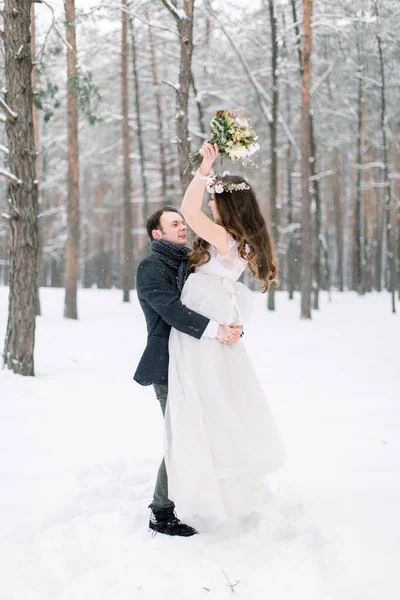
column 379, row 220
column 185, row 30
column 145, row 203
column 34, row 109
column 274, row 212
column 396, row 194
column 291, row 251
column 306, row 262
column 390, row 246
column 317, row 220
column 339, row 225
column 160, row 117
column 36, row 135
column 20, row 334
column 291, row 247
column 200, row 112
column 72, row 245
column 127, row 207
column 358, row 275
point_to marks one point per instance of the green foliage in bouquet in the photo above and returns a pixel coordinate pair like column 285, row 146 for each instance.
column 234, row 136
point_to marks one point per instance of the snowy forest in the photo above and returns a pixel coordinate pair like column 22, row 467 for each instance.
column 100, row 105
column 122, row 93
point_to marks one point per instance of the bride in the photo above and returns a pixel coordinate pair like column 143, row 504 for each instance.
column 221, row 438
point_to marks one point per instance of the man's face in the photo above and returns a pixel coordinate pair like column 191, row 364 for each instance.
column 172, row 229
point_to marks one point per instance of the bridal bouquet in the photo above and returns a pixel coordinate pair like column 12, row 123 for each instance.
column 234, row 136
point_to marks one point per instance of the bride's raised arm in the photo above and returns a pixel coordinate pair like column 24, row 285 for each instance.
column 192, row 202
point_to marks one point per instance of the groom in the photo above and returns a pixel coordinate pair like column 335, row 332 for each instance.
column 160, row 279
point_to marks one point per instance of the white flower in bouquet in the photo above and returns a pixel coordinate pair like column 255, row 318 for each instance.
column 234, row 137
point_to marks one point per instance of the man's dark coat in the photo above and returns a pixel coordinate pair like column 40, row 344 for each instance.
column 159, row 298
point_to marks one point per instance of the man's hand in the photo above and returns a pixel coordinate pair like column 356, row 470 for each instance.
column 227, row 334
column 238, row 327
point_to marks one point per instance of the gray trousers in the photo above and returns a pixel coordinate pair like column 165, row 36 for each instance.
column 160, row 498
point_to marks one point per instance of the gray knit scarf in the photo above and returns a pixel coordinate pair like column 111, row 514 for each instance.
column 175, row 256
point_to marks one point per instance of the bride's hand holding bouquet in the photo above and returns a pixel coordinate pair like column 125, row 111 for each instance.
column 209, row 153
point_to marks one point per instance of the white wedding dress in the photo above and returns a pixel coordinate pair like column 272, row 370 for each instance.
column 221, row 438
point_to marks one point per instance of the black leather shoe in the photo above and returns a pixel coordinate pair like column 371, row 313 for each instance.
column 164, row 520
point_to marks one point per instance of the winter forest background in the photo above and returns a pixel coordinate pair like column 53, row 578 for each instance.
column 245, row 55
column 94, row 135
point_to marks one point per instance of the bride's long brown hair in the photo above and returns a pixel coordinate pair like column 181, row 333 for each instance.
column 239, row 213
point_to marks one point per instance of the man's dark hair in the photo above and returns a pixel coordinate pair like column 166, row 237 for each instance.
column 153, row 222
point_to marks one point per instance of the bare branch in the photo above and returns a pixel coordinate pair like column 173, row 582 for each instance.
column 375, row 185
column 152, row 24
column 370, row 165
column 321, row 79
column 9, row 177
column 179, row 15
column 11, row 114
column 231, row 585
column 4, row 149
column 320, row 176
column 54, row 24
column 174, row 86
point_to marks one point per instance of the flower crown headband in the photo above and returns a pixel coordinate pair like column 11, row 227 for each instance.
column 215, row 185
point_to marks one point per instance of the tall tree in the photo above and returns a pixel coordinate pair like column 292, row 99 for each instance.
column 273, row 193
column 184, row 21
column 396, row 194
column 145, row 198
column 159, row 111
column 23, row 192
column 200, row 112
column 317, row 215
column 338, row 212
column 36, row 132
column 290, row 249
column 390, row 237
column 72, row 246
column 127, row 207
column 306, row 262
column 316, row 263
column 358, row 256
column 34, row 86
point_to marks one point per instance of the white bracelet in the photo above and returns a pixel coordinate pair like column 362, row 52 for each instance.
column 201, row 176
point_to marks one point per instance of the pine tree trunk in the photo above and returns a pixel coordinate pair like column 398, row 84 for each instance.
column 306, row 262
column 185, row 30
column 390, row 254
column 127, row 208
column 290, row 252
column 339, row 225
column 312, row 170
column 145, row 205
column 72, row 246
column 379, row 220
column 200, row 112
column 20, row 335
column 358, row 277
column 274, row 212
column 36, row 134
column 317, row 221
column 396, row 193
column 327, row 199
column 160, row 118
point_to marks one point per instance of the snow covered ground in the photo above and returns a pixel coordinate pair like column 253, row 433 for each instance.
column 80, row 446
